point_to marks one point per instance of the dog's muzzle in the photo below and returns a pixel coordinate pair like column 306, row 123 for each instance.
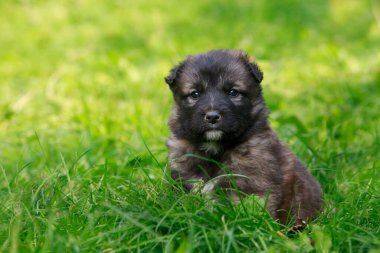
column 213, row 117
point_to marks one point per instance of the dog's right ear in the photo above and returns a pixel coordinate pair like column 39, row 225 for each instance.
column 173, row 74
column 170, row 79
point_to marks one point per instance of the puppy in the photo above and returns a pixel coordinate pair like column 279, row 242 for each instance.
column 219, row 122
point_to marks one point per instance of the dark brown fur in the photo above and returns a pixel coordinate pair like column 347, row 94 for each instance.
column 240, row 137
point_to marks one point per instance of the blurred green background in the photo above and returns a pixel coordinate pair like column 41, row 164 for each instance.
column 81, row 86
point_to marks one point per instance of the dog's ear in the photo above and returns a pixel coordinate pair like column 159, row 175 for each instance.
column 170, row 79
column 256, row 71
column 252, row 66
column 173, row 74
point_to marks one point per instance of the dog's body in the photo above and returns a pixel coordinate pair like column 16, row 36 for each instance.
column 220, row 114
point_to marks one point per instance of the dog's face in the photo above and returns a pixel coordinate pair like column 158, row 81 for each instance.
column 217, row 96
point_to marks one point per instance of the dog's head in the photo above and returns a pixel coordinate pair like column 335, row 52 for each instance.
column 217, row 97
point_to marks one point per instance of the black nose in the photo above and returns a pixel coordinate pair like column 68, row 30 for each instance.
column 212, row 117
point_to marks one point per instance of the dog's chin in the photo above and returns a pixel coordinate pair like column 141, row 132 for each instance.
column 213, row 135
column 212, row 142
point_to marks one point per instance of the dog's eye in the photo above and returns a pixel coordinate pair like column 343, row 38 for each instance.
column 195, row 94
column 233, row 93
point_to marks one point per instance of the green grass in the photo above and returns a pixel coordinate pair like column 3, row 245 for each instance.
column 83, row 114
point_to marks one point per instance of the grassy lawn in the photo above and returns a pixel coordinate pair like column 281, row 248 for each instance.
column 84, row 109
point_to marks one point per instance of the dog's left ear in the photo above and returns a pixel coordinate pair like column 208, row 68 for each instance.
column 252, row 66
column 256, row 71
